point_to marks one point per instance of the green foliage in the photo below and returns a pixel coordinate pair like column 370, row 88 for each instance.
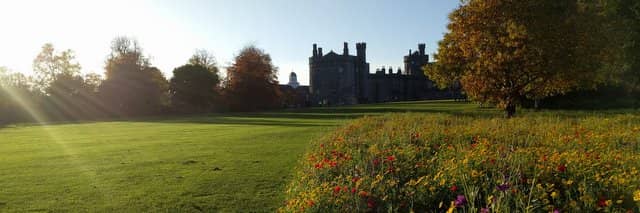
column 132, row 86
column 194, row 88
column 48, row 65
column 541, row 162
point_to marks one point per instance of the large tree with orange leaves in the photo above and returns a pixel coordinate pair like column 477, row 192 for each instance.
column 502, row 51
column 252, row 82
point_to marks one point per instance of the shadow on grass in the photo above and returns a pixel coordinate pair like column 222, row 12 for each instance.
column 332, row 116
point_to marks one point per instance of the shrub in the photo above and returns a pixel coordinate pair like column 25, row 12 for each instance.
column 415, row 162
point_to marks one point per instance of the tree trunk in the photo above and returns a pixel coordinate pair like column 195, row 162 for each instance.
column 510, row 110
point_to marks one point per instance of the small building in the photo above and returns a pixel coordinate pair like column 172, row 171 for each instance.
column 294, row 95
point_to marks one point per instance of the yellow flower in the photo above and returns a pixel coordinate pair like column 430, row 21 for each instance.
column 636, row 195
column 609, row 202
column 554, row 194
column 451, row 207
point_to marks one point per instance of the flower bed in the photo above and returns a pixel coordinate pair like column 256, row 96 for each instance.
column 418, row 162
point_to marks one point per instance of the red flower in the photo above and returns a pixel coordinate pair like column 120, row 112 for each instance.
column 333, row 163
column 376, row 162
column 355, row 179
column 602, row 202
column 562, row 168
column 321, row 145
column 336, row 190
column 362, row 194
column 353, row 190
column 391, row 158
column 371, row 203
column 310, row 203
column 318, row 165
column 454, row 188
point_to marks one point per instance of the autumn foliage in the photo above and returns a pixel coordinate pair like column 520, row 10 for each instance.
column 251, row 82
column 503, row 51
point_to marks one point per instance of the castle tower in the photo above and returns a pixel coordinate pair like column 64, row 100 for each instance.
column 361, row 51
column 421, row 48
column 414, row 62
column 345, row 49
column 315, row 50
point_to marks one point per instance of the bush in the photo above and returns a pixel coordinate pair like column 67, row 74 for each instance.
column 415, row 162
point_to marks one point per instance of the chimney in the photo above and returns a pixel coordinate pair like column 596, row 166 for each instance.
column 345, row 49
column 421, row 48
column 320, row 52
column 315, row 50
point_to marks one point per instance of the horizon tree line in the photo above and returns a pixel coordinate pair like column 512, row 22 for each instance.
column 133, row 87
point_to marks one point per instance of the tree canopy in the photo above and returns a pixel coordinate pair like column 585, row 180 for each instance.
column 502, row 51
column 252, row 82
column 132, row 86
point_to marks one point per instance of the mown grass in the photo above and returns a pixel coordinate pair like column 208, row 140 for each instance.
column 219, row 162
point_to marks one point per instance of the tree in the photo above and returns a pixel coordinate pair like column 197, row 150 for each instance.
column 502, row 51
column 624, row 28
column 17, row 99
column 193, row 88
column 252, row 81
column 48, row 65
column 204, row 58
column 132, row 86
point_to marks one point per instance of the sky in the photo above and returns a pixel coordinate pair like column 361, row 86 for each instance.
column 170, row 31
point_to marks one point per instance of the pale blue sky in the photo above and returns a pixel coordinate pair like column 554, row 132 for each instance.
column 169, row 31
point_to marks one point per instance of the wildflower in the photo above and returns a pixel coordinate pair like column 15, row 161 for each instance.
column 318, row 165
column 636, row 195
column 562, row 168
column 371, row 203
column 454, row 188
column 333, row 163
column 376, row 162
column 391, row 158
column 355, row 179
column 452, row 207
column 602, row 202
column 336, row 190
column 484, row 210
column 556, row 211
column 554, row 194
column 310, row 203
column 362, row 194
column 503, row 187
column 353, row 190
column 460, row 201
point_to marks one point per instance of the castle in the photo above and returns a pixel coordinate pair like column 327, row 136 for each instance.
column 341, row 79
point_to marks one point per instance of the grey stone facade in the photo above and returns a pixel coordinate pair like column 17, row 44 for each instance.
column 343, row 79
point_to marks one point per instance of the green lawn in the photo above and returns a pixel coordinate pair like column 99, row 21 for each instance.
column 219, row 162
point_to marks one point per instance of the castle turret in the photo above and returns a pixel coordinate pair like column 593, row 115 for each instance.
column 345, row 49
column 421, row 48
column 361, row 51
column 315, row 50
column 414, row 62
